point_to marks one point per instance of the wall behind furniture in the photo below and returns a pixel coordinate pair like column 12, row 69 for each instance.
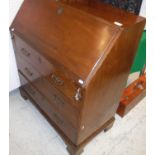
column 143, row 9
column 13, row 75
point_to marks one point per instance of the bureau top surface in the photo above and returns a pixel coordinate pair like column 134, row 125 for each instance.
column 107, row 12
column 72, row 37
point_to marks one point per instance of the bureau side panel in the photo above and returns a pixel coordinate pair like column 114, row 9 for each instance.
column 106, row 86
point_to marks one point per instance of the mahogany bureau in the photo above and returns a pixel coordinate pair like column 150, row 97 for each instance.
column 73, row 60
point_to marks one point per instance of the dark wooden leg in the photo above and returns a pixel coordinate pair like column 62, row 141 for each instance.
column 23, row 93
column 77, row 150
column 74, row 150
column 109, row 124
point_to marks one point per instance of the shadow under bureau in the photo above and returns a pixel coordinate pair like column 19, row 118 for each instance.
column 73, row 61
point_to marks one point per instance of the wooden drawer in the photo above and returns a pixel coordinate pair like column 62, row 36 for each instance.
column 52, row 113
column 31, row 56
column 32, row 74
column 65, row 106
column 56, row 74
column 27, row 69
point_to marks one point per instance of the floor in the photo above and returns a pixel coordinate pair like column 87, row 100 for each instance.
column 31, row 134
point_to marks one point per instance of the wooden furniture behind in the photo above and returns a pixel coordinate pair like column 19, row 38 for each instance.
column 132, row 95
column 73, row 61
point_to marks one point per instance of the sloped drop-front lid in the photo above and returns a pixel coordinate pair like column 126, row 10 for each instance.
column 73, row 38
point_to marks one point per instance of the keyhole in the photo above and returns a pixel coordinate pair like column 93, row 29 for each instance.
column 60, row 11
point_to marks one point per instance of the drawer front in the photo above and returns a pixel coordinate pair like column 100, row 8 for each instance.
column 57, row 99
column 56, row 74
column 27, row 69
column 31, row 56
column 52, row 113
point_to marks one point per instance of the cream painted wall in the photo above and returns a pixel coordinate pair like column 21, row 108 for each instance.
column 13, row 76
column 143, row 9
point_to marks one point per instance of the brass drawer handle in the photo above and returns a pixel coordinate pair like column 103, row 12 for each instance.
column 57, row 80
column 58, row 101
column 39, row 60
column 25, row 52
column 58, row 119
column 28, row 71
column 31, row 90
column 78, row 95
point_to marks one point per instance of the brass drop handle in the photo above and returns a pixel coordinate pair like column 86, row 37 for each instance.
column 39, row 60
column 28, row 71
column 78, row 95
column 31, row 91
column 57, row 80
column 25, row 52
column 58, row 101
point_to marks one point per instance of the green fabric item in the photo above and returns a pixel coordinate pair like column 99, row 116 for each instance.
column 140, row 58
